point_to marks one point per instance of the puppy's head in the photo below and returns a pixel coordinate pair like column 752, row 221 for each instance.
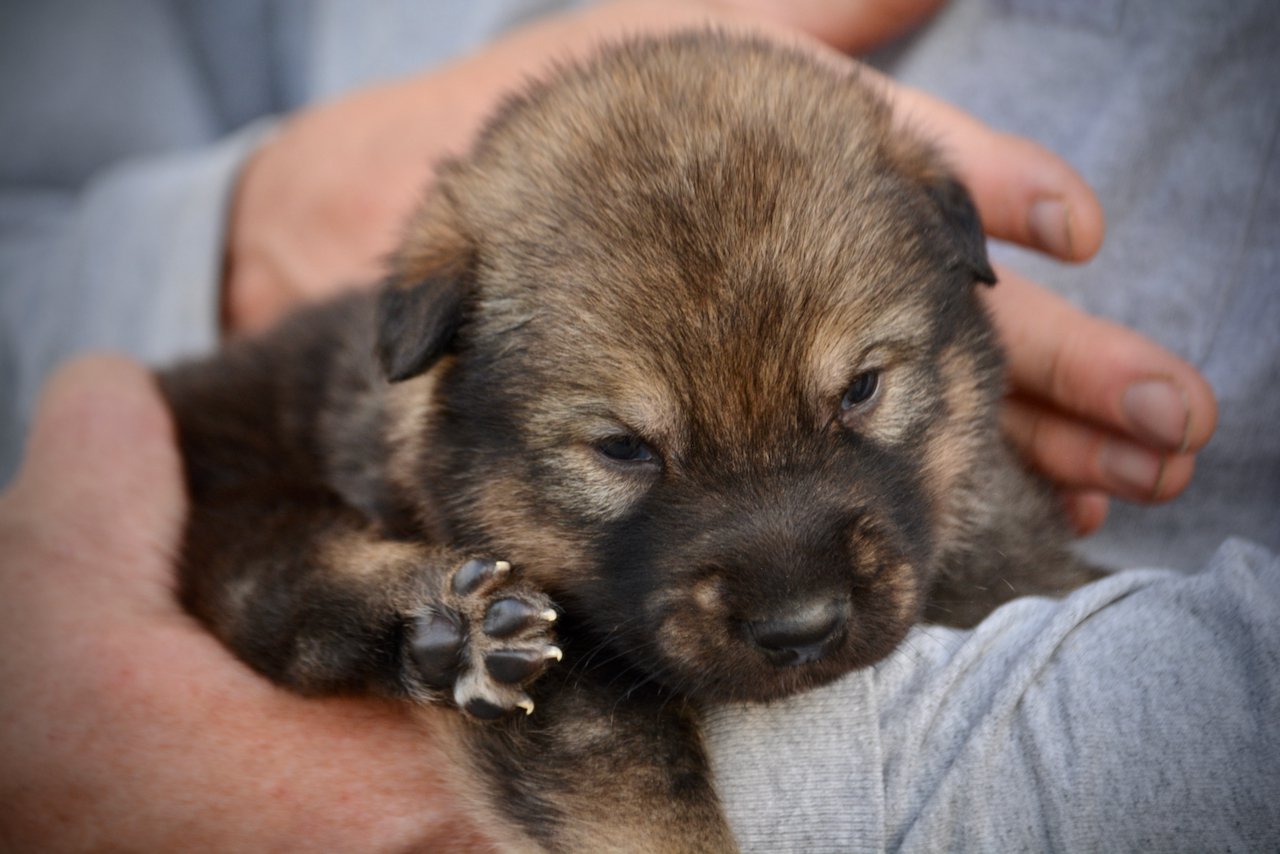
column 706, row 358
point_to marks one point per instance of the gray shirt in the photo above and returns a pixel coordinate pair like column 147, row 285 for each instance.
column 1142, row 713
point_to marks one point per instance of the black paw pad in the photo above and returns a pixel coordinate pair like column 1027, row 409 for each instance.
column 482, row 641
column 482, row 709
column 513, row 666
column 474, row 574
column 508, row 617
column 437, row 647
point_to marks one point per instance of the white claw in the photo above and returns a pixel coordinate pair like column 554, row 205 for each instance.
column 553, row 652
column 549, row 615
column 527, row 705
column 501, row 567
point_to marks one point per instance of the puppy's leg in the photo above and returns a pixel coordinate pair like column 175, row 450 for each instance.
column 312, row 595
column 308, row 592
column 601, row 766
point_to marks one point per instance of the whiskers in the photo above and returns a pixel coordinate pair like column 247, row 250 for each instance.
column 591, row 658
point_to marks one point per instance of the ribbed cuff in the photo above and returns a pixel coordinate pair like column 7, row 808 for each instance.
column 803, row 774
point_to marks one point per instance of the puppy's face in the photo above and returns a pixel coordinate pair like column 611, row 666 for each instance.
column 714, row 368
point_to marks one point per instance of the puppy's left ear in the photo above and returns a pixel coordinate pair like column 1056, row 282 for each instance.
column 417, row 323
column 961, row 225
column 424, row 304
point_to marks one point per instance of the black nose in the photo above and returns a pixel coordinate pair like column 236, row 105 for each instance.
column 800, row 634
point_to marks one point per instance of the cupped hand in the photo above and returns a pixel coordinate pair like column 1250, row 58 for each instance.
column 1098, row 408
column 123, row 724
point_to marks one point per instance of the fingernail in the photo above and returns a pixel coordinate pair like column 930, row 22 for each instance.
column 1158, row 411
column 1156, row 490
column 1050, row 226
column 1134, row 469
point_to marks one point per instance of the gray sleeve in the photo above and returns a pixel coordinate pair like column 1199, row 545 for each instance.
column 1138, row 714
column 130, row 264
column 123, row 134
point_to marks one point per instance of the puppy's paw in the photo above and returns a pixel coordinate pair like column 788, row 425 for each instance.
column 487, row 638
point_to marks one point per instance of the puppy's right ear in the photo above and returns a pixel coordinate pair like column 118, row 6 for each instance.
column 961, row 226
column 956, row 224
column 416, row 323
column 423, row 305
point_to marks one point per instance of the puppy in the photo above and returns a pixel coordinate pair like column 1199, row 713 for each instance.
column 681, row 376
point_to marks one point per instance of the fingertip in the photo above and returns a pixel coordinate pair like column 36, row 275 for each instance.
column 1203, row 406
column 100, row 427
column 1063, row 215
column 1025, row 193
column 1175, row 476
column 106, row 375
column 94, row 397
column 1104, row 374
column 1082, row 459
column 1176, row 412
column 1086, row 510
column 1086, row 221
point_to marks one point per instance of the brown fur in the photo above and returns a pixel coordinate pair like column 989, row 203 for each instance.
column 699, row 243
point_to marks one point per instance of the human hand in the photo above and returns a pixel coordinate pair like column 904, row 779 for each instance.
column 123, row 724
column 1096, row 407
column 322, row 203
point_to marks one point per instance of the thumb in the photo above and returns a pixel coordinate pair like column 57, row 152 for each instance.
column 101, row 460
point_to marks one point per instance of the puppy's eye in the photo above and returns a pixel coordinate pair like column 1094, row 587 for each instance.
column 626, row 449
column 862, row 390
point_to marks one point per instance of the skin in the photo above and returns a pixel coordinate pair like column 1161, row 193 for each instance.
column 153, row 738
